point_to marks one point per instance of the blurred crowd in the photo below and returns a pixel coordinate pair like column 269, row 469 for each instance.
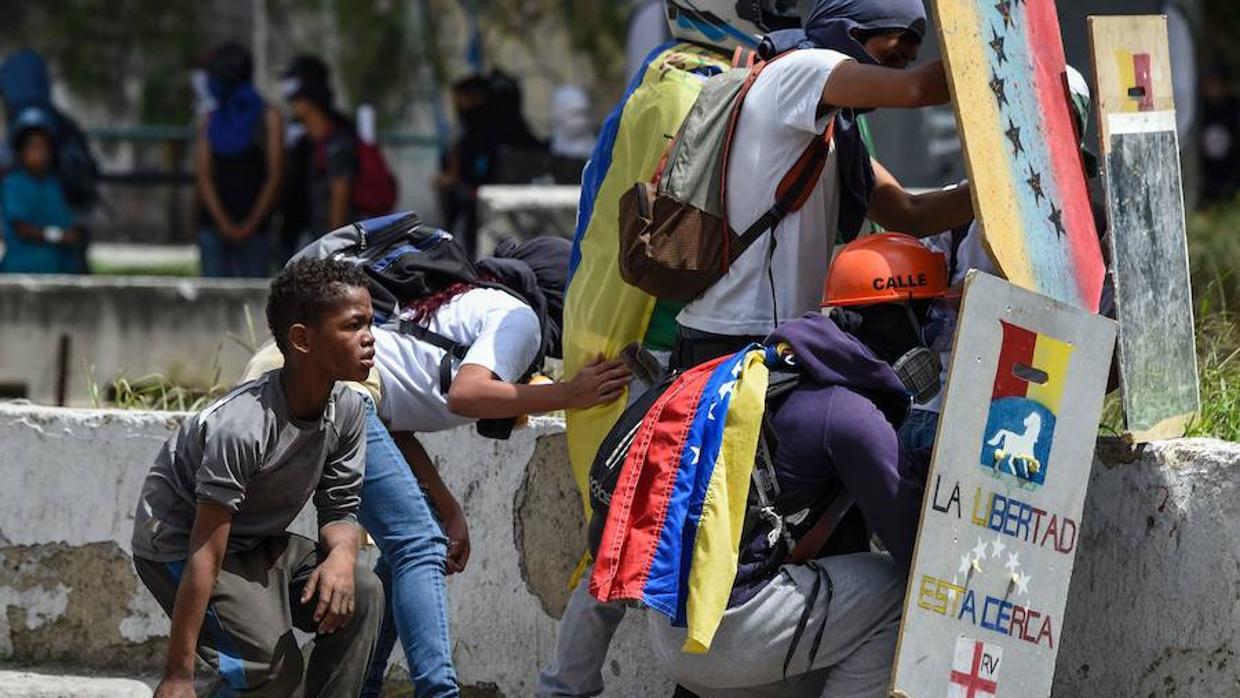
column 270, row 177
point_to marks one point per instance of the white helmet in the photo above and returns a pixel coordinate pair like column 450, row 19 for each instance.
column 726, row 24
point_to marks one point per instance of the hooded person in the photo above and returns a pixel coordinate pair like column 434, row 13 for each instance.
column 859, row 363
column 850, row 57
column 238, row 161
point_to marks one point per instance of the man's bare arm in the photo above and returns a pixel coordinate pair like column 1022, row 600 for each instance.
column 208, row 542
column 894, row 208
column 859, row 86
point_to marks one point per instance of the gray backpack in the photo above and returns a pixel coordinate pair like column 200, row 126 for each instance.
column 675, row 239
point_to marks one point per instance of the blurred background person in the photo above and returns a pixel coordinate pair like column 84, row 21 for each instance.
column 328, row 162
column 573, row 133
column 41, row 235
column 238, row 159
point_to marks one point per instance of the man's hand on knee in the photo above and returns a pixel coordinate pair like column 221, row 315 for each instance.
column 333, row 579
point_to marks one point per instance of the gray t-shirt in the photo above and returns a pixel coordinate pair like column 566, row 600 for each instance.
column 248, row 453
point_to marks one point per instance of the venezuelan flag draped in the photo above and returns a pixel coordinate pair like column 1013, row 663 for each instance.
column 673, row 529
column 601, row 312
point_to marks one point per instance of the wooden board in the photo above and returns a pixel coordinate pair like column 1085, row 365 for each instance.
column 1005, row 63
column 1001, row 517
column 1145, row 207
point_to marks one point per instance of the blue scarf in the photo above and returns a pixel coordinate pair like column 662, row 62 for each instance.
column 829, row 26
column 234, row 122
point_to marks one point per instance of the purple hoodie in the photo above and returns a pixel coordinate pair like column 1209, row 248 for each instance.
column 838, row 426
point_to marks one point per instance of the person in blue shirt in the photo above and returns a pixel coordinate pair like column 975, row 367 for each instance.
column 41, row 235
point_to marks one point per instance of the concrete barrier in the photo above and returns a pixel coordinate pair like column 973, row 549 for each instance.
column 524, row 211
column 68, row 593
column 1153, row 611
column 53, row 330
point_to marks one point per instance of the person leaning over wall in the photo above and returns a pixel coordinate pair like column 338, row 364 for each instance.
column 238, row 159
column 415, row 520
column 209, row 536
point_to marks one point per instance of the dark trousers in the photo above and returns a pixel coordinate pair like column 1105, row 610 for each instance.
column 695, row 347
column 247, row 634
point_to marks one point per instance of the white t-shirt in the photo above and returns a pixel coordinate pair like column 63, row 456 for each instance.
column 504, row 337
column 778, row 120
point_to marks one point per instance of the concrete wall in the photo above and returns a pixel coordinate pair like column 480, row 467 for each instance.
column 1153, row 611
column 122, row 326
column 68, row 593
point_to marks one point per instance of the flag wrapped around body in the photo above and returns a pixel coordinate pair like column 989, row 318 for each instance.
column 602, row 313
column 673, row 530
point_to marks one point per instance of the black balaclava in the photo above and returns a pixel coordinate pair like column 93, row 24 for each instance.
column 893, row 332
column 830, row 24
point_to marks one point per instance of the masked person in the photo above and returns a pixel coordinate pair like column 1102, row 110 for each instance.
column 238, row 159
column 331, row 169
column 860, row 362
column 850, row 57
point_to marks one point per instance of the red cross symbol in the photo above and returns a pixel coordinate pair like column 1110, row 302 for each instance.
column 972, row 682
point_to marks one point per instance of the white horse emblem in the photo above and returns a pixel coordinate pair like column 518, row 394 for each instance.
column 1020, row 447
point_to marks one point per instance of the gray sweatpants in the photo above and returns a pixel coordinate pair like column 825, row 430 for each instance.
column 747, row 655
column 581, row 642
column 247, row 634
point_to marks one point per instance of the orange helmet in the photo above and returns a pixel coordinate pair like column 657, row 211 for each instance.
column 884, row 268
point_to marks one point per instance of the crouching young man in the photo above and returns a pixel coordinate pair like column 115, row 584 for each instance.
column 828, row 626
column 209, row 536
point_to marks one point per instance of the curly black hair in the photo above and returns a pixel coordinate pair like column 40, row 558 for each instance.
column 304, row 290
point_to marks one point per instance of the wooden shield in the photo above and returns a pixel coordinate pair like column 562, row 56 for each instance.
column 1005, row 63
column 1002, row 511
column 1145, row 206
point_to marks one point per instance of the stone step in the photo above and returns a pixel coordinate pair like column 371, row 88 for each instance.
column 24, row 683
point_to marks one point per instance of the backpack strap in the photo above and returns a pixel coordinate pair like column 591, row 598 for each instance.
column 452, row 350
column 794, row 189
column 814, row 539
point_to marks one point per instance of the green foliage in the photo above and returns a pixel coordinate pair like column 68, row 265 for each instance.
column 98, row 46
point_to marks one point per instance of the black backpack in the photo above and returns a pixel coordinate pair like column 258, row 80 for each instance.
column 766, row 503
column 405, row 259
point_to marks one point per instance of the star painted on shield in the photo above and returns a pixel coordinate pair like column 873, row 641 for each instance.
column 1013, row 134
column 1035, row 183
column 1022, row 583
column 997, row 546
column 1013, row 562
column 997, row 44
column 1056, row 219
column 1005, row 8
column 979, row 550
column 965, row 563
column 997, row 85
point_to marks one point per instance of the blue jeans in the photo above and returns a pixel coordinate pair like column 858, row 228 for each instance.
column 222, row 259
column 918, row 431
column 396, row 513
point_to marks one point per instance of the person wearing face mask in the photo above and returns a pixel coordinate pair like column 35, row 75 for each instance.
column 828, row 626
column 851, row 56
column 238, row 158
